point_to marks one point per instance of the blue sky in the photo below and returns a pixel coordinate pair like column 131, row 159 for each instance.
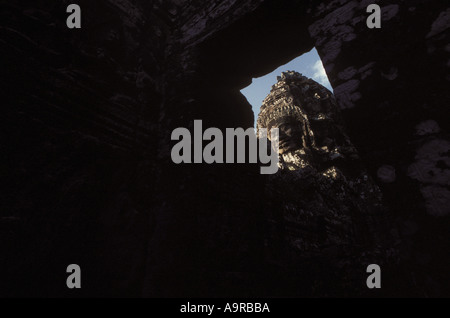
column 309, row 64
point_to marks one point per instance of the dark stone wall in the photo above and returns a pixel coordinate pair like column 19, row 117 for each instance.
column 85, row 143
column 391, row 84
column 79, row 136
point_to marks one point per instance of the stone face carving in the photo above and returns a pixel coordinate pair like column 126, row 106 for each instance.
column 321, row 196
column 309, row 122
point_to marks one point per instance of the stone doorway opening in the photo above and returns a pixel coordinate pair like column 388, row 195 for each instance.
column 309, row 64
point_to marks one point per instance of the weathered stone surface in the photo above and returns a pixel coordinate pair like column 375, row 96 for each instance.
column 322, row 203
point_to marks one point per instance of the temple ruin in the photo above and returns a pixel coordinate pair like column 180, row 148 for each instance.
column 87, row 178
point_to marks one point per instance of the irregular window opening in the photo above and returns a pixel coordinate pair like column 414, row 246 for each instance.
column 309, row 64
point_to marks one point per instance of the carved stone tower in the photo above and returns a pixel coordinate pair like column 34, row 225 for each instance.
column 322, row 203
